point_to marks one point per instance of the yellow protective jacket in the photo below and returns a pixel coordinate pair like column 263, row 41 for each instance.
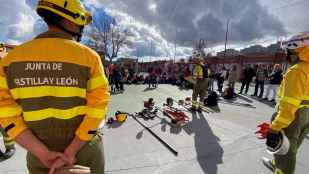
column 293, row 94
column 198, row 72
column 52, row 77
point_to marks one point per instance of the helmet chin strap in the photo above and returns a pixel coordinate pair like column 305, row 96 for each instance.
column 76, row 35
column 292, row 58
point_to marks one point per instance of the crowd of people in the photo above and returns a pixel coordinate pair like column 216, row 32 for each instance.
column 175, row 74
column 262, row 74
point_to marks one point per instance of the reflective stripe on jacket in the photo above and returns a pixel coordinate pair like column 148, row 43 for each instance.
column 293, row 95
column 52, row 77
column 198, row 72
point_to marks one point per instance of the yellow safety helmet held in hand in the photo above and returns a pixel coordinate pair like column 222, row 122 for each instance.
column 72, row 10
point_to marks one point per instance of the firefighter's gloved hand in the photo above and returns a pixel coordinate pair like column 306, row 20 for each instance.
column 263, row 130
column 273, row 139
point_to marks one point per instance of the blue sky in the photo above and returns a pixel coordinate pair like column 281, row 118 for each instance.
column 161, row 23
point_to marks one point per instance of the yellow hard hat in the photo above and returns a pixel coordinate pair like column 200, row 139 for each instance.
column 121, row 117
column 72, row 10
column 2, row 47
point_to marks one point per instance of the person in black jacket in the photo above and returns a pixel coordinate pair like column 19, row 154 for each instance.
column 248, row 74
column 275, row 79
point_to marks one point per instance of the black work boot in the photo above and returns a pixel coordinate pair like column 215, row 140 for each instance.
column 1, row 154
column 9, row 152
column 193, row 109
column 199, row 109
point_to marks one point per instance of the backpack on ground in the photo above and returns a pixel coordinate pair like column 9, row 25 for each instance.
column 212, row 99
column 228, row 93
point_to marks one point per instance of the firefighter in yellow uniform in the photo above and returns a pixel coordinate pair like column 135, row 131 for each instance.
column 200, row 74
column 54, row 94
column 292, row 115
column 7, row 141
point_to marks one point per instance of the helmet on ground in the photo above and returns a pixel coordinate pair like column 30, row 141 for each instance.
column 283, row 147
column 298, row 45
column 72, row 10
column 121, row 117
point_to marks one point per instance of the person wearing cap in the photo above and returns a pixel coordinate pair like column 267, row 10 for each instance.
column 54, row 93
column 292, row 117
column 200, row 74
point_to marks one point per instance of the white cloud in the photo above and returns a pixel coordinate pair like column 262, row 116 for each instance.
column 189, row 21
column 22, row 28
column 147, row 40
column 292, row 13
column 96, row 3
column 16, row 21
column 19, row 23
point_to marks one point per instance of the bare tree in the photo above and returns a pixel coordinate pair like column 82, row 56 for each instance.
column 108, row 38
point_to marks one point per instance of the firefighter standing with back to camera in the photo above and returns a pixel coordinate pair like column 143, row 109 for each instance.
column 54, row 94
column 200, row 74
column 290, row 124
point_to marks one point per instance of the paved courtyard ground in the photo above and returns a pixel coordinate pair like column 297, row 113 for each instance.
column 216, row 143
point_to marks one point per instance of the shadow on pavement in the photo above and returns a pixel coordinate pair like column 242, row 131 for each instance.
column 164, row 124
column 240, row 104
column 216, row 109
column 3, row 159
column 245, row 98
column 116, row 92
column 114, row 125
column 181, row 88
column 209, row 151
column 173, row 129
column 266, row 102
column 149, row 89
column 249, row 99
